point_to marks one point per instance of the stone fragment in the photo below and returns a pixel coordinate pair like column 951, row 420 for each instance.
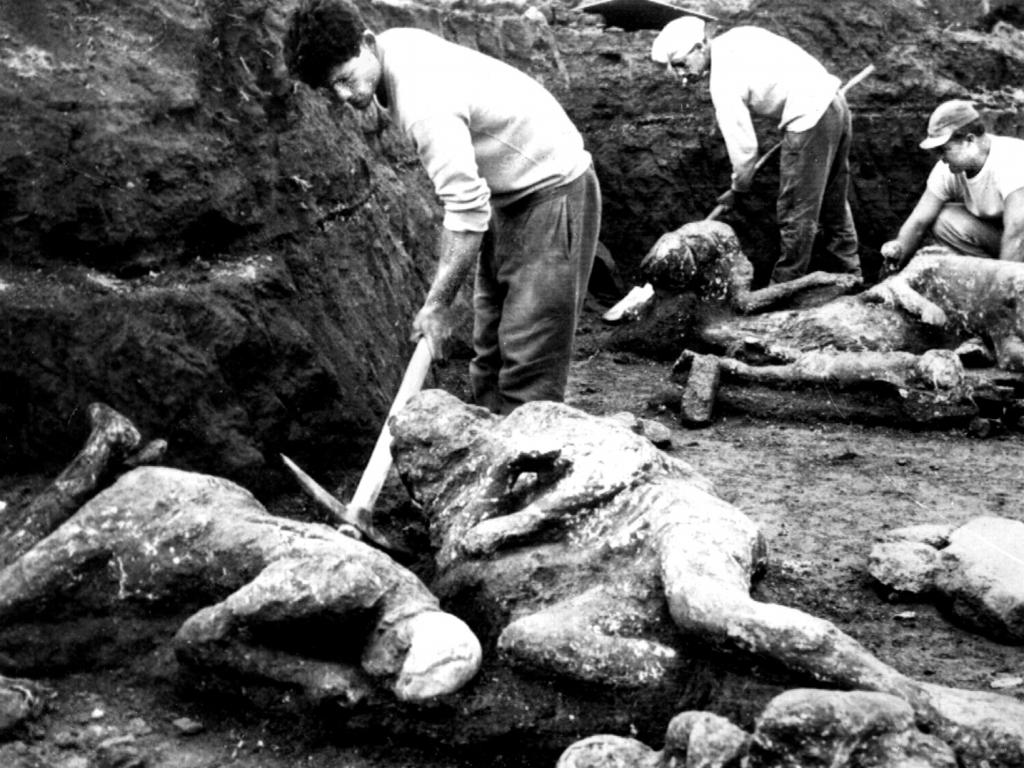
column 20, row 701
column 699, row 392
column 186, row 726
column 983, row 576
column 608, row 751
column 704, row 740
column 905, row 566
column 814, row 728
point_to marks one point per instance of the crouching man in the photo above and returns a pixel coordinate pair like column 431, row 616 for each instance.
column 974, row 198
column 520, row 195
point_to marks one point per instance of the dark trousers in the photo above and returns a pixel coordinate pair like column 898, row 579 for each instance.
column 531, row 281
column 814, row 178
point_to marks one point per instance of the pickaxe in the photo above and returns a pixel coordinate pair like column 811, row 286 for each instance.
column 356, row 517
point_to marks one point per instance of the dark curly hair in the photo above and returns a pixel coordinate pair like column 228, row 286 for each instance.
column 321, row 35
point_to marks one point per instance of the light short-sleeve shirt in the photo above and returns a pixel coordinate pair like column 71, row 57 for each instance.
column 984, row 193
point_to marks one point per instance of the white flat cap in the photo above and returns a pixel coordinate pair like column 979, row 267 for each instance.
column 677, row 39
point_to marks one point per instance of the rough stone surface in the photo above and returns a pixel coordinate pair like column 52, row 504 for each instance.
column 808, row 728
column 983, row 576
column 704, row 740
column 20, row 702
column 905, row 567
column 608, row 751
column 975, row 570
column 697, row 405
column 653, row 430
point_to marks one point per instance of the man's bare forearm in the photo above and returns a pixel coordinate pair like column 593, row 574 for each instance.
column 910, row 236
column 1012, row 246
column 457, row 253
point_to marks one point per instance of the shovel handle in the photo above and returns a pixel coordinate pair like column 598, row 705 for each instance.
column 864, row 73
column 377, row 468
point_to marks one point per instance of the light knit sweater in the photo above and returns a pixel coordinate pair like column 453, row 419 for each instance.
column 485, row 132
column 756, row 71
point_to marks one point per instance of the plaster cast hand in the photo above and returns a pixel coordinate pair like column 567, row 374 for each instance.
column 933, row 315
column 435, row 323
column 892, row 257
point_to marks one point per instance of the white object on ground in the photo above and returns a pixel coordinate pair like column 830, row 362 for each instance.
column 630, row 305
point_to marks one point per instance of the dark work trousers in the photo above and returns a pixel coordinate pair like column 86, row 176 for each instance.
column 814, row 176
column 531, row 281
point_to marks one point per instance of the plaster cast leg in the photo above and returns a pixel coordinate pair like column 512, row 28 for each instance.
column 707, row 556
column 897, row 368
column 407, row 639
column 111, row 441
column 749, row 302
column 706, row 564
column 572, row 638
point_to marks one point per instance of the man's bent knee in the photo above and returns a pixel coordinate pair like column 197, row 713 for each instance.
column 959, row 229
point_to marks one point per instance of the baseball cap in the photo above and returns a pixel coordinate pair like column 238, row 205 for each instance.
column 947, row 118
column 677, row 39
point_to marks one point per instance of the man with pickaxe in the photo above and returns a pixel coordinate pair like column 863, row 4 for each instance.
column 518, row 189
column 752, row 70
column 522, row 204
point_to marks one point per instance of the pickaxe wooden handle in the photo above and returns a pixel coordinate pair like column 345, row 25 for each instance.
column 377, row 468
column 719, row 209
column 357, row 515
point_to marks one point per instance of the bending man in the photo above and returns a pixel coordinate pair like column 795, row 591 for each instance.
column 518, row 189
column 752, row 70
column 973, row 201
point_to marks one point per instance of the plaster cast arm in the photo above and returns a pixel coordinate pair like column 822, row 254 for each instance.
column 749, row 302
column 897, row 291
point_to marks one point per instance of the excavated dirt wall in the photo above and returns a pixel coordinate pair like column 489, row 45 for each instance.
column 232, row 260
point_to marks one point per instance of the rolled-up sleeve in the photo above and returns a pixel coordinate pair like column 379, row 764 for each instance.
column 445, row 148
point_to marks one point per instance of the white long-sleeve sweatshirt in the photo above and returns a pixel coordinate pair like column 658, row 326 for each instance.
column 756, row 71
column 485, row 132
